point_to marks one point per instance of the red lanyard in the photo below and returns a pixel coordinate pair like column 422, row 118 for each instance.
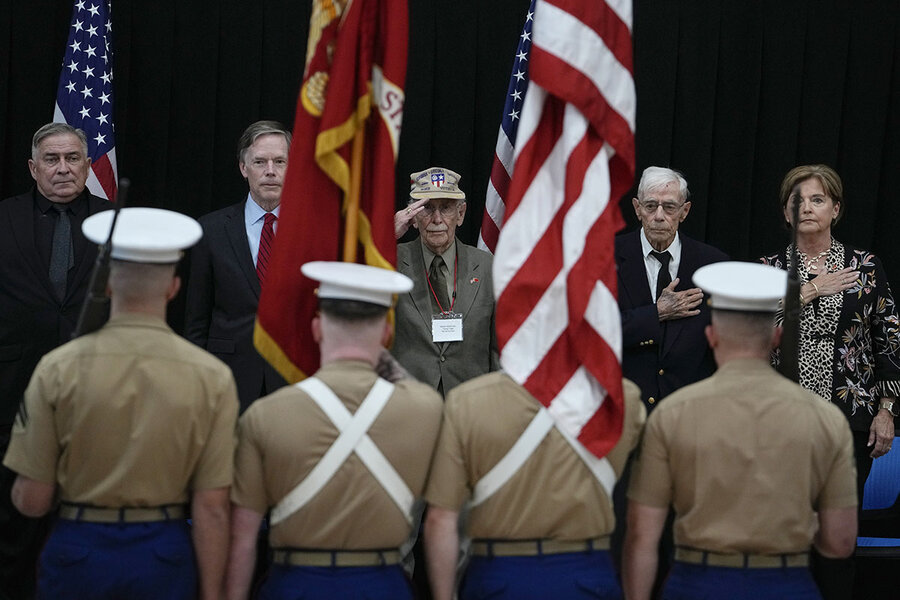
column 453, row 300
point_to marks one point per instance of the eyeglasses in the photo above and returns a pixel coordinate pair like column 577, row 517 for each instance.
column 650, row 206
column 447, row 210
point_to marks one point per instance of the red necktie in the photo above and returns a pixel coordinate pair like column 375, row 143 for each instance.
column 265, row 247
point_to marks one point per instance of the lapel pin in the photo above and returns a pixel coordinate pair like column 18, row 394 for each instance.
column 473, row 280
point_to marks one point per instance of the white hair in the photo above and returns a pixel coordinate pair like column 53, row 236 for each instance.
column 655, row 178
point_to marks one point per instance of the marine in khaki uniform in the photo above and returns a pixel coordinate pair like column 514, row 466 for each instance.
column 544, row 533
column 338, row 458
column 126, row 426
column 757, row 469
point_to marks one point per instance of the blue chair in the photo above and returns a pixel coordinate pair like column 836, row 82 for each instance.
column 879, row 524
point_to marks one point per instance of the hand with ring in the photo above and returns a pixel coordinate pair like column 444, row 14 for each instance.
column 837, row 282
column 404, row 217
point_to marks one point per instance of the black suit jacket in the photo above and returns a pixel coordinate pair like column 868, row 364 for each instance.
column 222, row 296
column 32, row 320
column 661, row 358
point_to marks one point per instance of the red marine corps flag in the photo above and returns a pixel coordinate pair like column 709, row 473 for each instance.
column 558, row 324
column 338, row 196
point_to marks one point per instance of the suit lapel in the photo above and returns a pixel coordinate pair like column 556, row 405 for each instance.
column 236, row 233
column 686, row 269
column 85, row 265
column 633, row 272
column 22, row 226
column 420, row 291
column 468, row 279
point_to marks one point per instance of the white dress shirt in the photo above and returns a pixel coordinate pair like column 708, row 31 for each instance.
column 652, row 265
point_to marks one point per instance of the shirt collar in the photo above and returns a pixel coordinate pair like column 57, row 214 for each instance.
column 77, row 206
column 253, row 212
column 449, row 254
column 674, row 248
column 138, row 320
column 745, row 365
column 345, row 365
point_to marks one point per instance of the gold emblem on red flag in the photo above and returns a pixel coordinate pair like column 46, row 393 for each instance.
column 312, row 94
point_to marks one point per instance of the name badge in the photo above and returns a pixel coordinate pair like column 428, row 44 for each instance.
column 446, row 327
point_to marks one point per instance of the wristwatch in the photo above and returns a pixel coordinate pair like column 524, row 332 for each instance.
column 890, row 405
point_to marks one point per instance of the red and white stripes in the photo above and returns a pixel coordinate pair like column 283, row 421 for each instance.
column 558, row 323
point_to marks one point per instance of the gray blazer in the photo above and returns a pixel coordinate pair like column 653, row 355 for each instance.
column 444, row 365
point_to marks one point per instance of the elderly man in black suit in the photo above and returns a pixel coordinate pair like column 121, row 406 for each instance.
column 663, row 314
column 45, row 266
column 228, row 266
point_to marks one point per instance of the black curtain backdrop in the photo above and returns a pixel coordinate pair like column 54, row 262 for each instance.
column 733, row 94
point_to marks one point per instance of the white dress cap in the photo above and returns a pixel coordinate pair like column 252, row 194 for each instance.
column 351, row 281
column 742, row 286
column 436, row 182
column 144, row 235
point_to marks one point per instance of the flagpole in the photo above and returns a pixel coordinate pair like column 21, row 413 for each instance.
column 351, row 202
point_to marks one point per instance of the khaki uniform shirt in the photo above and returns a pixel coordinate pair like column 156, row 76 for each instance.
column 284, row 435
column 132, row 415
column 553, row 496
column 746, row 457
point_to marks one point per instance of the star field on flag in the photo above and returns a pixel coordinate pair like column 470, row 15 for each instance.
column 84, row 97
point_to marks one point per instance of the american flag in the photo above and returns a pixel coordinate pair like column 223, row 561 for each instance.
column 501, row 170
column 558, row 323
column 84, row 98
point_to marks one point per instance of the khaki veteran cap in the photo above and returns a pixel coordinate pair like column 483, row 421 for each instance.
column 144, row 235
column 436, row 182
column 742, row 286
column 351, row 281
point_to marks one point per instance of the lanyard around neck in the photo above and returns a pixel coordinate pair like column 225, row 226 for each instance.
column 430, row 287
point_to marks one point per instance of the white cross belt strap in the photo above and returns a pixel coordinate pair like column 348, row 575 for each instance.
column 353, row 437
column 522, row 450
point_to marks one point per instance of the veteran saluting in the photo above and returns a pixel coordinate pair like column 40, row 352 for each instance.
column 127, row 425
column 338, row 458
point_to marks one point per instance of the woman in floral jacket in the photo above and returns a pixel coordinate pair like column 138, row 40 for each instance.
column 849, row 329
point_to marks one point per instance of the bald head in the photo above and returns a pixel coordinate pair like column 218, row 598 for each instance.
column 735, row 334
column 142, row 287
column 348, row 329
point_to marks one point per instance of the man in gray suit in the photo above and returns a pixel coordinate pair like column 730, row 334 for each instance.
column 445, row 324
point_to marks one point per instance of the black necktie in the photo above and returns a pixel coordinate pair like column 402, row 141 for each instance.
column 62, row 255
column 663, row 278
column 439, row 285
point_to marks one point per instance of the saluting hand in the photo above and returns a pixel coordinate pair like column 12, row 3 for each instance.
column 678, row 305
column 404, row 217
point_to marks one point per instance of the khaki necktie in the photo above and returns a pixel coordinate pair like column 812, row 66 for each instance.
column 439, row 301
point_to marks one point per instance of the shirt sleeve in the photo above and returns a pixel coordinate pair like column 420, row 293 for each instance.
column 839, row 489
column 215, row 466
column 249, row 489
column 651, row 480
column 448, row 485
column 34, row 446
column 885, row 337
